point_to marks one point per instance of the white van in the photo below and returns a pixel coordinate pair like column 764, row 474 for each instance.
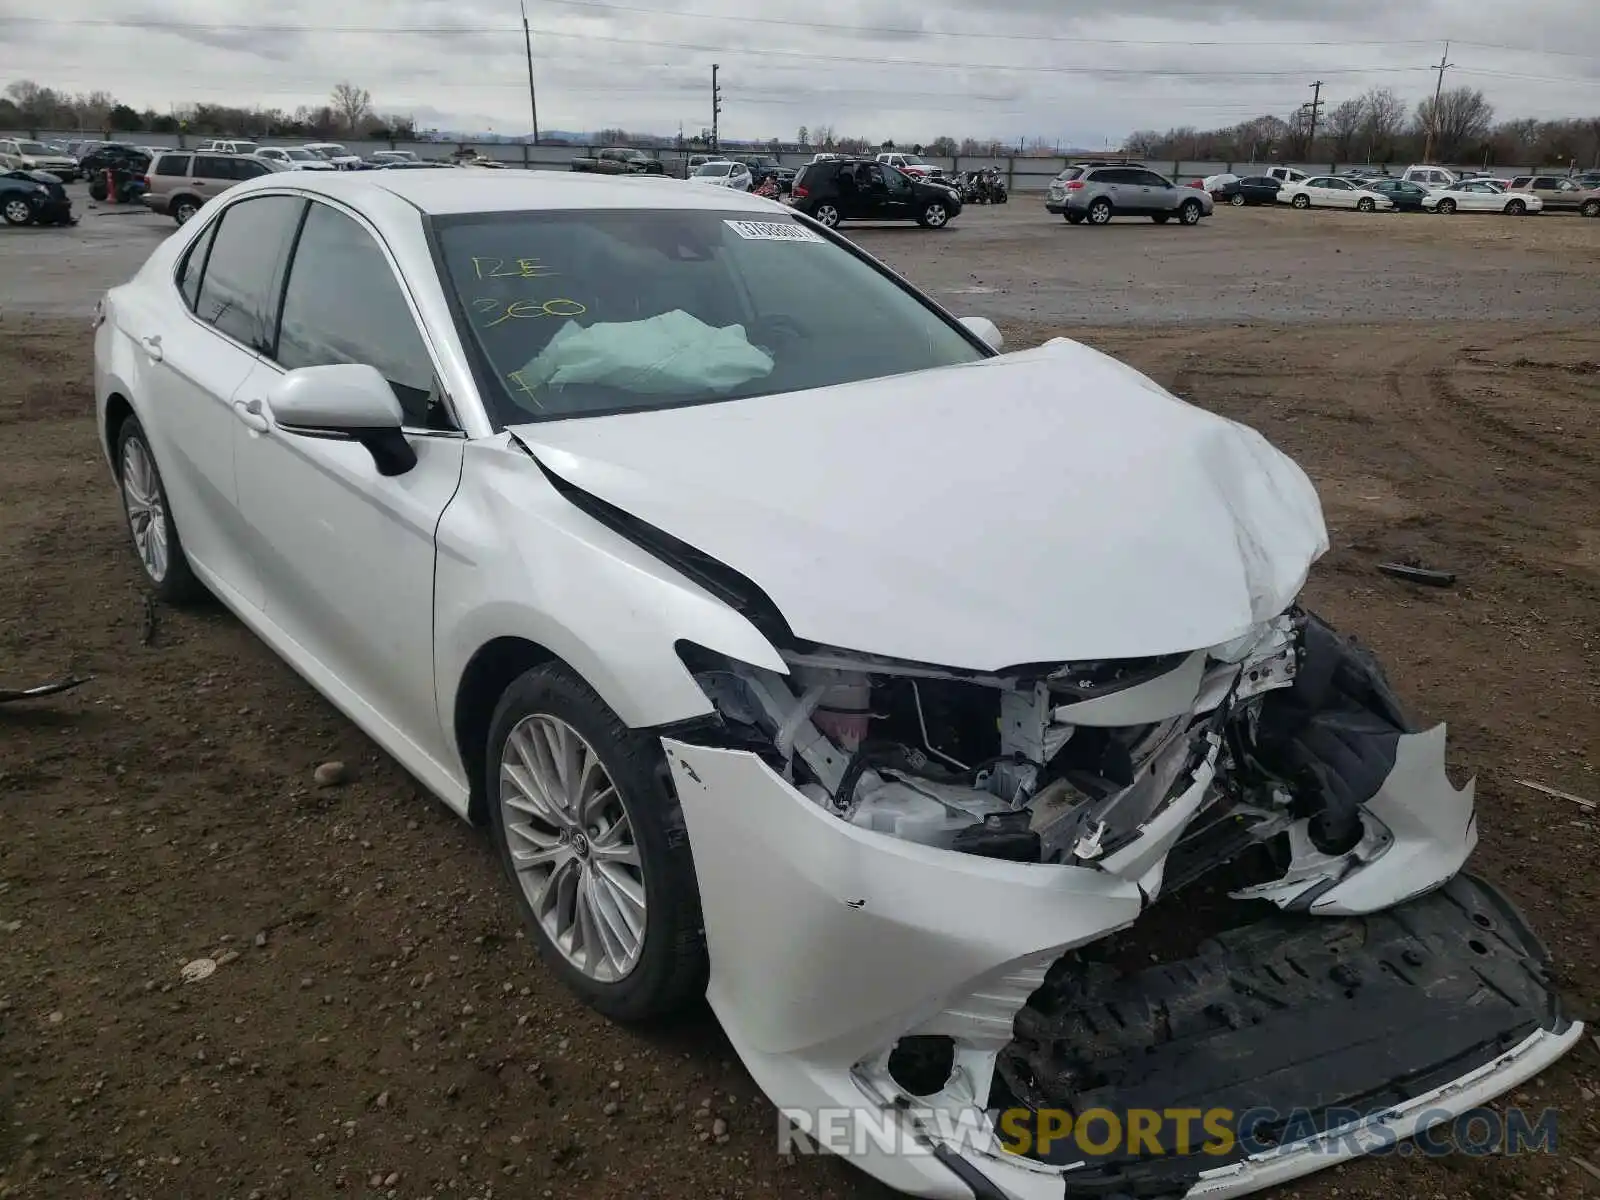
column 1431, row 177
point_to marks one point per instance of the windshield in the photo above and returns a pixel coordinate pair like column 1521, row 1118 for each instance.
column 300, row 155
column 582, row 313
column 33, row 148
column 715, row 169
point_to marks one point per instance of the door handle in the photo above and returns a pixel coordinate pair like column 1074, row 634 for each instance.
column 152, row 347
column 251, row 415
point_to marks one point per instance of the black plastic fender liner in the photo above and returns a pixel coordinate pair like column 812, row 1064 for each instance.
column 1301, row 1023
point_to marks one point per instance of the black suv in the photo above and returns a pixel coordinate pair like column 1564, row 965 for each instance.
column 113, row 156
column 860, row 189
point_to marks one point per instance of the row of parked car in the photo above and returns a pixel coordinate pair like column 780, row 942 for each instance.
column 1418, row 189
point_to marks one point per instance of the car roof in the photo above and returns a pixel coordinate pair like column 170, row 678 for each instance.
column 440, row 193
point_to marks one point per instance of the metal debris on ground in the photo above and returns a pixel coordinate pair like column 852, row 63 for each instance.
column 44, row 689
column 1558, row 793
column 1587, row 1167
column 148, row 633
column 1415, row 574
column 200, row 968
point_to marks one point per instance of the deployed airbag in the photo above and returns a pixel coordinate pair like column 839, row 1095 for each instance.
column 673, row 353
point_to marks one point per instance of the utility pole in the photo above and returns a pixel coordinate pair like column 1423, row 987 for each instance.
column 1438, row 90
column 527, row 43
column 716, row 107
column 1316, row 107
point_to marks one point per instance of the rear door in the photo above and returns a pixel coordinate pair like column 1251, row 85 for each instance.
column 1121, row 186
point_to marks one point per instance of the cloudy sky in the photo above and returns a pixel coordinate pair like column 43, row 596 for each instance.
column 1082, row 72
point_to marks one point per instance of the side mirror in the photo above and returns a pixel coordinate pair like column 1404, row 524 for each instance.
column 351, row 401
column 987, row 330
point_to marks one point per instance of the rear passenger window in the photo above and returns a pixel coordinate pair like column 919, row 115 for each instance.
column 172, row 164
column 193, row 265
column 242, row 273
column 211, row 166
column 344, row 305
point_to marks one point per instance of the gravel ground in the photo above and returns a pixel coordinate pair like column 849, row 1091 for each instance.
column 376, row 1023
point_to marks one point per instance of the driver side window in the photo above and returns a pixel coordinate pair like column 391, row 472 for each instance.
column 896, row 183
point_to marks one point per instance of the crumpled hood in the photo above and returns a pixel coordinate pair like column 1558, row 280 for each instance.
column 1043, row 506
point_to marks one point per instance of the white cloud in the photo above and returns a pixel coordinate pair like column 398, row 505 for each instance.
column 1008, row 68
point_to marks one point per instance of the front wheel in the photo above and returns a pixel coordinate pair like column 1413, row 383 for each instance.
column 1447, row 206
column 593, row 840
column 1517, row 208
column 1190, row 213
column 1301, row 201
column 1366, row 204
column 1591, row 208
column 149, row 516
column 935, row 216
column 827, row 214
column 17, row 211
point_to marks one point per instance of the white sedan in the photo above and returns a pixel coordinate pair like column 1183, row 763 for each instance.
column 791, row 669
column 1330, row 191
column 1481, row 195
column 733, row 175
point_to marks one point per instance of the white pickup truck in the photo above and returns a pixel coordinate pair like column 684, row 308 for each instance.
column 1431, row 177
column 910, row 164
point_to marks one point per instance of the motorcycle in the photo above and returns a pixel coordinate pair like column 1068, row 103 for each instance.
column 129, row 183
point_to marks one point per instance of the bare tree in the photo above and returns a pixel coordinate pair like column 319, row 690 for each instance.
column 37, row 105
column 351, row 105
column 805, row 136
column 1460, row 122
column 1383, row 121
column 1143, row 142
column 1344, row 123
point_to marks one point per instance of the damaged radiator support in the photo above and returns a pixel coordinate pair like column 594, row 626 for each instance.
column 1278, row 737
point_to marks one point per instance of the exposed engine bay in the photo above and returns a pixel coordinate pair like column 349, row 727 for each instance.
column 1155, row 769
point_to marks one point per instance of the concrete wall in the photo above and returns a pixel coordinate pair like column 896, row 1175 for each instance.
column 1023, row 174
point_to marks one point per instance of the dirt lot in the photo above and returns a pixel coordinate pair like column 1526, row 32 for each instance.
column 378, row 1026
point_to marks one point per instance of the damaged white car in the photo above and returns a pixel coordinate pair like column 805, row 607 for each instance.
column 805, row 653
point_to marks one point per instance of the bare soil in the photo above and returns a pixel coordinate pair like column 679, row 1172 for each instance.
column 378, row 1025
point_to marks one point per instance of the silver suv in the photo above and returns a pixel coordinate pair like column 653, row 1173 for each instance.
column 1096, row 194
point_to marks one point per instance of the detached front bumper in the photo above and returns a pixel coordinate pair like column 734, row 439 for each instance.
column 831, row 945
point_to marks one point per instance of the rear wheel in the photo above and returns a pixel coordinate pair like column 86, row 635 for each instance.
column 827, row 214
column 1517, row 208
column 150, row 524
column 1301, row 201
column 1074, row 218
column 183, row 208
column 1591, row 208
column 97, row 189
column 1100, row 211
column 1366, row 204
column 1161, row 218
column 1237, row 199
column 593, row 840
column 1190, row 212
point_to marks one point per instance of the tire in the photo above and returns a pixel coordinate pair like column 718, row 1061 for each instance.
column 1237, row 199
column 97, row 190
column 144, row 494
column 827, row 215
column 1073, row 218
column 1366, row 204
column 1100, row 211
column 1190, row 212
column 668, row 968
column 1591, row 208
column 1302, row 201
column 1447, row 206
column 184, row 208
column 1517, row 208
column 16, row 211
column 935, row 216
column 1161, row 218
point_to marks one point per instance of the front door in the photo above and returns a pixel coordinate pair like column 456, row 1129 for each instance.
column 348, row 554
column 894, row 195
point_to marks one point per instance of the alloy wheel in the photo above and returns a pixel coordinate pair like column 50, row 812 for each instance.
column 572, row 845
column 935, row 215
column 147, row 514
column 1237, row 200
column 17, row 212
column 828, row 215
column 1100, row 212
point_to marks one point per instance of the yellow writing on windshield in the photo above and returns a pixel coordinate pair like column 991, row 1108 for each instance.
column 521, row 385
column 518, row 268
column 508, row 310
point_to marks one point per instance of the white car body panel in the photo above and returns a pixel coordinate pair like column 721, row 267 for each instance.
column 949, row 573
column 1078, row 512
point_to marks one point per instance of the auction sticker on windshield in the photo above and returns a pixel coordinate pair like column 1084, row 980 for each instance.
column 772, row 231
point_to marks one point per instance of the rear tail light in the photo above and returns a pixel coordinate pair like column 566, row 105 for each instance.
column 1075, row 185
column 799, row 192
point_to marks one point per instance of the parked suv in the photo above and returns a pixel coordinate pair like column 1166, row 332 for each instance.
column 859, row 189
column 1559, row 193
column 1096, row 194
column 180, row 181
column 23, row 154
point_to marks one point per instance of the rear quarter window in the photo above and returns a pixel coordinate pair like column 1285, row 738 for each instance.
column 172, row 164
